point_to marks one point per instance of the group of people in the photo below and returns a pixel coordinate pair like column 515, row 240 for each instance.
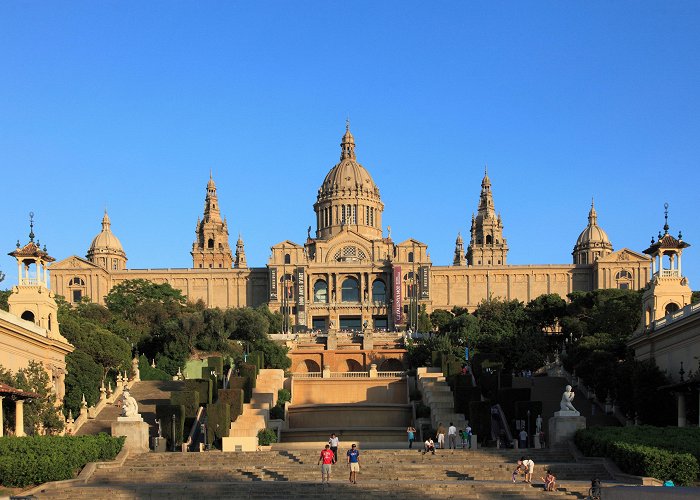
column 429, row 445
column 329, row 457
column 526, row 466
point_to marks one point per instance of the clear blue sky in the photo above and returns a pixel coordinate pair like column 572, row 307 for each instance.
column 129, row 104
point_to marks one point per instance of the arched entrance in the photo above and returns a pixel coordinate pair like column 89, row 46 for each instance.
column 391, row 365
column 308, row 366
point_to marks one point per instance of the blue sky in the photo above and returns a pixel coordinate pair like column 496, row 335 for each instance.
column 128, row 105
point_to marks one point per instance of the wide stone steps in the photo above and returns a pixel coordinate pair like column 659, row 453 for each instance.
column 339, row 489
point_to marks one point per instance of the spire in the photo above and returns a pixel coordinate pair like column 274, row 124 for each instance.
column 210, row 185
column 347, row 145
column 240, row 261
column 106, row 223
column 211, row 203
column 459, row 259
column 666, row 226
column 486, row 206
column 31, row 227
column 592, row 215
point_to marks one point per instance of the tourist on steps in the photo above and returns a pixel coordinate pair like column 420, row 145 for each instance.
column 429, row 446
column 354, row 463
column 529, row 467
column 441, row 436
column 411, row 436
column 452, row 436
column 328, row 459
column 334, row 442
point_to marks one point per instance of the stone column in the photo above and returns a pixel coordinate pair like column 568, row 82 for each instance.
column 19, row 418
column 2, row 418
column 373, row 371
column 681, row 409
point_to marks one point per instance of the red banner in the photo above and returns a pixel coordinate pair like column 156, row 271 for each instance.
column 398, row 299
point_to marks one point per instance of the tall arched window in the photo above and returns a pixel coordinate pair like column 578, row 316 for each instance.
column 410, row 256
column 379, row 291
column 210, row 243
column 287, row 258
column 350, row 291
column 671, row 307
column 489, row 239
column 321, row 291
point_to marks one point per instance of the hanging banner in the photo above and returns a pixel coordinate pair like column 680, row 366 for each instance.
column 273, row 283
column 301, row 297
column 424, row 277
column 398, row 299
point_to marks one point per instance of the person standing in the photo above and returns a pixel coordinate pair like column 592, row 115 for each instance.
column 523, row 438
column 441, row 436
column 354, row 463
column 411, row 436
column 334, row 442
column 468, row 434
column 328, row 459
column 452, row 436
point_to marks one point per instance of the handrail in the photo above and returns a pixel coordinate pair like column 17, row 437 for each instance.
column 195, row 425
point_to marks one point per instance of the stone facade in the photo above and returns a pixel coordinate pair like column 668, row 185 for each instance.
column 350, row 274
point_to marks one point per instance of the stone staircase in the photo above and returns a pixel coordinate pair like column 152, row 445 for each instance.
column 147, row 393
column 438, row 396
column 287, row 474
column 243, row 435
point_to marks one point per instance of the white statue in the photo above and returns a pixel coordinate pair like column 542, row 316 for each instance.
column 566, row 400
column 129, row 406
column 538, row 423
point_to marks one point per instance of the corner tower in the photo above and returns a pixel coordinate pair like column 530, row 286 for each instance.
column 348, row 197
column 668, row 290
column 211, row 249
column 487, row 247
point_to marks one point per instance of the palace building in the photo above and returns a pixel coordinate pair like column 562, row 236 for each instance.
column 350, row 274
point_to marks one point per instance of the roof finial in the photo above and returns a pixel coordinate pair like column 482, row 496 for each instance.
column 347, row 123
column 31, row 227
column 666, row 218
column 486, row 169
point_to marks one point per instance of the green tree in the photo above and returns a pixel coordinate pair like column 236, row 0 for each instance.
column 41, row 412
column 4, row 295
column 84, row 377
column 126, row 297
column 546, row 311
column 424, row 324
column 440, row 319
column 274, row 318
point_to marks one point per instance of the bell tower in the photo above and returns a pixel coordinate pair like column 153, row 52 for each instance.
column 668, row 289
column 31, row 299
column 211, row 250
column 487, row 247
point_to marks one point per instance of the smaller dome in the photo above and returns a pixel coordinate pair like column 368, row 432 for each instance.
column 106, row 241
column 593, row 234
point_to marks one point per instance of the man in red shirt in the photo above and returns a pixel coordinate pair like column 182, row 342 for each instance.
column 326, row 459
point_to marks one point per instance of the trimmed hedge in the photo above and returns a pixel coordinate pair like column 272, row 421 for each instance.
column 147, row 372
column 234, row 398
column 218, row 421
column 188, row 399
column 249, row 372
column 266, row 437
column 37, row 459
column 216, row 363
column 204, row 387
column 257, row 358
column 284, row 396
column 644, row 450
column 165, row 414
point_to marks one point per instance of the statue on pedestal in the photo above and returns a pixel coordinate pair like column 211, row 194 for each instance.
column 566, row 399
column 129, row 406
column 538, row 424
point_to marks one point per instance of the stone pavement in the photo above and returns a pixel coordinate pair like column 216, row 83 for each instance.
column 405, row 474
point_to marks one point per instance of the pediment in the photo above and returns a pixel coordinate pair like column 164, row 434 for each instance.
column 73, row 262
column 287, row 244
column 624, row 255
column 411, row 242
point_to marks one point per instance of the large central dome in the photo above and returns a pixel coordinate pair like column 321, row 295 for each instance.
column 348, row 197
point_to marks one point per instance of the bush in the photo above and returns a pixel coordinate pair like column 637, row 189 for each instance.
column 204, row 387
column 188, row 399
column 147, row 372
column 165, row 413
column 234, row 398
column 277, row 411
column 218, row 421
column 249, row 372
column 257, row 358
column 34, row 460
column 217, row 364
column 660, row 452
column 284, row 396
column 266, row 437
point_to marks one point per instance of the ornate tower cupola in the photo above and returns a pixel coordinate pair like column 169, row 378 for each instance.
column 31, row 299
column 460, row 259
column 487, row 247
column 348, row 197
column 593, row 243
column 669, row 290
column 211, row 249
column 106, row 250
column 240, row 262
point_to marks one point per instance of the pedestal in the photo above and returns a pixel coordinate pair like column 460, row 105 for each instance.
column 136, row 432
column 563, row 425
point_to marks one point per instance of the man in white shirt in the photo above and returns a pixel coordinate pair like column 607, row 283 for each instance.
column 429, row 446
column 334, row 442
column 452, row 436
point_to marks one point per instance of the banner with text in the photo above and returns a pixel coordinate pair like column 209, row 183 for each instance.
column 301, row 297
column 398, row 299
column 273, row 283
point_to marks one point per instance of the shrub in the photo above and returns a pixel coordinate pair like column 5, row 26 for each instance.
column 663, row 453
column 217, row 364
column 284, row 396
column 257, row 358
column 234, row 398
column 165, row 414
column 188, row 399
column 147, row 372
column 266, row 437
column 248, row 371
column 34, row 460
column 277, row 411
column 204, row 387
column 218, row 421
